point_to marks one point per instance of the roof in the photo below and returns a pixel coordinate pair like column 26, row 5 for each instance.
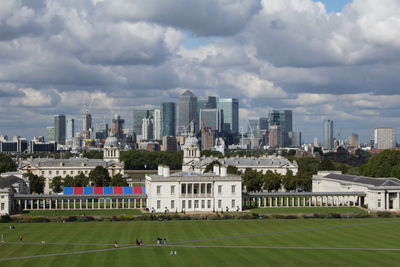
column 364, row 180
column 74, row 162
column 6, row 182
column 270, row 162
column 194, row 176
column 188, row 93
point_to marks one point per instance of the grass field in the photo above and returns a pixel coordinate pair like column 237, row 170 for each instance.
column 271, row 242
column 309, row 210
column 94, row 212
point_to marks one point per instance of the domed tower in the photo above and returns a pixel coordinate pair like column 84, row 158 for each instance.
column 191, row 153
column 111, row 149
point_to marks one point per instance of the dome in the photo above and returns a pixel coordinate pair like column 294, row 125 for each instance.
column 111, row 141
column 190, row 141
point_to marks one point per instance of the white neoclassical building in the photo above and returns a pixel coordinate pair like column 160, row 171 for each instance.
column 193, row 192
column 380, row 193
column 50, row 168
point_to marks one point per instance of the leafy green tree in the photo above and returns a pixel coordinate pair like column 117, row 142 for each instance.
column 118, row 180
column 326, row 165
column 81, row 180
column 99, row 176
column 93, row 154
column 210, row 166
column 232, row 170
column 273, row 181
column 253, row 180
column 381, row 165
column 210, row 153
column 68, row 181
column 7, row 164
column 56, row 184
column 36, row 183
column 289, row 181
column 395, row 172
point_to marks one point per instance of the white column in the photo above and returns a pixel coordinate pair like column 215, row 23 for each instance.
column 129, row 203
column 26, row 202
column 50, row 204
column 142, row 203
column 134, row 202
column 37, row 203
column 62, row 204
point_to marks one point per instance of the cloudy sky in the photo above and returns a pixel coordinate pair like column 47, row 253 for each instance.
column 336, row 59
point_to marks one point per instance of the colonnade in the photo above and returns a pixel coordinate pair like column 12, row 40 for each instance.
column 297, row 200
column 62, row 203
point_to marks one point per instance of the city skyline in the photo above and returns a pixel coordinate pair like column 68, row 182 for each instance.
column 350, row 63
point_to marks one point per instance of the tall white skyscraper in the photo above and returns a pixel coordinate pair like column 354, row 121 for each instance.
column 157, row 125
column 328, row 134
column 230, row 112
column 147, row 129
column 384, row 138
column 70, row 129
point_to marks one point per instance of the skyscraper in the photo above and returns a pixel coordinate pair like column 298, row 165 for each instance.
column 117, row 127
column 86, row 125
column 70, row 129
column 51, row 135
column 230, row 109
column 138, row 116
column 206, row 102
column 353, row 140
column 254, row 127
column 284, row 118
column 384, row 138
column 210, row 118
column 147, row 129
column 295, row 139
column 59, row 129
column 157, row 126
column 328, row 134
column 275, row 136
column 263, row 124
column 187, row 112
column 168, row 118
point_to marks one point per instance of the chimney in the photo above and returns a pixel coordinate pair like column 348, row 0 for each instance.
column 166, row 171
column 223, row 171
column 216, row 169
column 160, row 170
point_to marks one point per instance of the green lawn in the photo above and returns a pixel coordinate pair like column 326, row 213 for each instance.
column 100, row 212
column 207, row 243
column 309, row 210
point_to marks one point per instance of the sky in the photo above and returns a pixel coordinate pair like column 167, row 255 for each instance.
column 331, row 59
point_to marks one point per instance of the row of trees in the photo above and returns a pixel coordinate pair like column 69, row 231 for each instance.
column 144, row 160
column 384, row 164
column 7, row 164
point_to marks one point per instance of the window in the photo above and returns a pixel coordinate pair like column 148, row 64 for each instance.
column 64, row 172
column 203, row 204
column 183, row 189
column 57, row 172
column 379, row 203
column 208, row 188
column 219, row 203
column 158, row 189
column 183, row 204
column 158, row 204
column 71, row 172
column 42, row 172
column 233, row 188
column 50, row 172
column 208, row 204
column 196, row 204
column 2, row 206
column 172, row 189
column 220, row 189
column 189, row 204
column 172, row 204
column 233, row 203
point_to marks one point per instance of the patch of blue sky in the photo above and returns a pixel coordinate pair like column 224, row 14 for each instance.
column 193, row 41
column 334, row 5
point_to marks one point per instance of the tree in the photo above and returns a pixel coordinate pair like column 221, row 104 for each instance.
column 81, row 180
column 93, row 154
column 99, row 176
column 232, row 170
column 395, row 172
column 381, row 165
column 57, row 184
column 326, row 165
column 68, row 181
column 118, row 180
column 36, row 183
column 272, row 181
column 253, row 180
column 7, row 164
column 289, row 181
column 210, row 166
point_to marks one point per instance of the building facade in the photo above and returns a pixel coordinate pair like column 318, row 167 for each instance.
column 59, row 129
column 230, row 111
column 157, row 125
column 187, row 112
column 384, row 138
column 328, row 135
column 193, row 192
column 70, row 129
column 168, row 118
